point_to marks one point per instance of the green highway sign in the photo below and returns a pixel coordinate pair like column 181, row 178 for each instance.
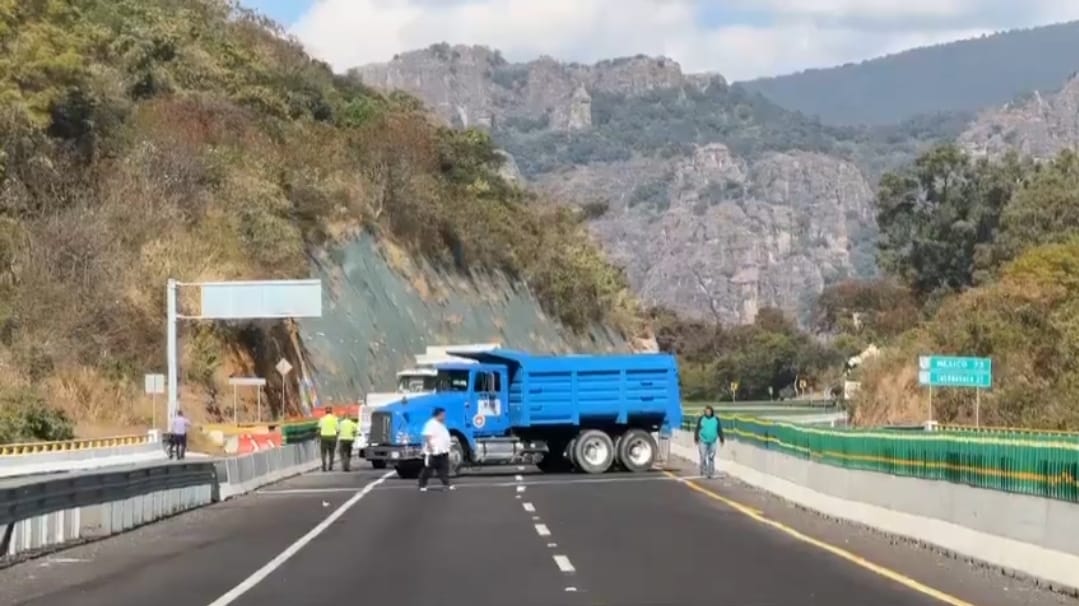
column 955, row 371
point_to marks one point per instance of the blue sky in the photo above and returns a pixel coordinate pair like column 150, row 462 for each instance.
column 740, row 39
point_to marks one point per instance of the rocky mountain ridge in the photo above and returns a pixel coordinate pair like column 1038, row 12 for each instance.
column 716, row 202
column 1040, row 125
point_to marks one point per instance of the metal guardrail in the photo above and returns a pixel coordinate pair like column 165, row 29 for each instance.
column 31, row 448
column 38, row 497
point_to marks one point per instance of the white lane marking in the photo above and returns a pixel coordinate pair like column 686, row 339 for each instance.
column 520, row 468
column 571, row 589
column 260, row 574
column 542, row 530
column 520, row 489
column 552, row 544
column 564, row 564
column 529, row 507
column 519, row 478
column 535, row 518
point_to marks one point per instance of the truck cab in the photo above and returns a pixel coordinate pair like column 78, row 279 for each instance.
column 505, row 407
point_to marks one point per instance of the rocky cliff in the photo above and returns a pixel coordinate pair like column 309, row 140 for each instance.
column 716, row 202
column 1039, row 125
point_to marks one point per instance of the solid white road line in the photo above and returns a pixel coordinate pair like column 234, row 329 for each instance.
column 542, row 530
column 260, row 574
column 529, row 507
column 564, row 564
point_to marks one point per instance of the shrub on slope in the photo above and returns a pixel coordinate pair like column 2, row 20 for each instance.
column 146, row 139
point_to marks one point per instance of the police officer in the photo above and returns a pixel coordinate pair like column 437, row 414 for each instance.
column 345, row 440
column 327, row 433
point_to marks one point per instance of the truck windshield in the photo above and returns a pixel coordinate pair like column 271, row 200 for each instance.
column 415, row 383
column 452, row 380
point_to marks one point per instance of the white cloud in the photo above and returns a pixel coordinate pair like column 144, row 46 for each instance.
column 773, row 37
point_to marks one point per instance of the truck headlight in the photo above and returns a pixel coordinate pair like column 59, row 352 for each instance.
column 395, row 455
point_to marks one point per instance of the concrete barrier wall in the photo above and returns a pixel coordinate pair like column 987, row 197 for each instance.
column 235, row 476
column 240, row 475
column 1029, row 536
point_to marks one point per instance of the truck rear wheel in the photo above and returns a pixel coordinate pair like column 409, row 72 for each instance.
column 593, row 451
column 637, row 450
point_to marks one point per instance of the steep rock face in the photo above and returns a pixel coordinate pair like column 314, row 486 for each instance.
column 699, row 227
column 1041, row 126
column 736, row 236
column 383, row 308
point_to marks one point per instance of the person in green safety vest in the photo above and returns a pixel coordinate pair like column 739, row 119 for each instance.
column 347, row 436
column 327, row 435
column 708, row 432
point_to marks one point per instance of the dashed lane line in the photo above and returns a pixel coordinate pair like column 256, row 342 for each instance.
column 260, row 574
column 564, row 564
column 542, row 530
column 883, row 571
column 529, row 507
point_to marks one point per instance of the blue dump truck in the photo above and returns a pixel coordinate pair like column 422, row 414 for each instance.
column 506, row 407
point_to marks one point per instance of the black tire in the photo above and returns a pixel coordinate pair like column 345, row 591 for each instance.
column 571, row 458
column 378, row 464
column 555, row 461
column 409, row 470
column 593, row 451
column 457, row 458
column 637, row 450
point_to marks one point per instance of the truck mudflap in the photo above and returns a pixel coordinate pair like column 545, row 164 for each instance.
column 391, row 453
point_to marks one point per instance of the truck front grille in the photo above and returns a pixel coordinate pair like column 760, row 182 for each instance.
column 380, row 428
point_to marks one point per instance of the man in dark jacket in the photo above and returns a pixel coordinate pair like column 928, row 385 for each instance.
column 708, row 431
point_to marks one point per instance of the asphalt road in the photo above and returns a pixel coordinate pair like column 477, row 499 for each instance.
column 509, row 538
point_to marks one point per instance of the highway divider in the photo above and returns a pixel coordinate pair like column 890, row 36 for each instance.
column 42, row 514
column 1006, row 499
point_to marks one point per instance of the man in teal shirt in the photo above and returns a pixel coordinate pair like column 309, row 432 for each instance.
column 708, row 431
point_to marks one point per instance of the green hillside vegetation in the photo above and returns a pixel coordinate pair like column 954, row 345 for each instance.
column 990, row 250
column 147, row 139
column 669, row 122
column 954, row 79
column 766, row 359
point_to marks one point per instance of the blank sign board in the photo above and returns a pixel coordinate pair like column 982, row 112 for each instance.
column 266, row 299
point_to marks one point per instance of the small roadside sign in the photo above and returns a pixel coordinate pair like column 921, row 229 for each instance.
column 154, row 384
column 283, row 367
column 954, row 371
column 247, row 381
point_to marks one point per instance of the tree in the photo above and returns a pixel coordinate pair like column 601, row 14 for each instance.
column 1044, row 211
column 938, row 219
column 869, row 311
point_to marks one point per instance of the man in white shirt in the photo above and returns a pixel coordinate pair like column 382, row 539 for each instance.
column 436, row 450
column 178, row 429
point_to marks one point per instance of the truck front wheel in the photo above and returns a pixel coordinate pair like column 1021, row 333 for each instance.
column 637, row 450
column 457, row 457
column 593, row 451
column 379, row 464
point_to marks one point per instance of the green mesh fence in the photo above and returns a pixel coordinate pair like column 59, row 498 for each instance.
column 302, row 431
column 1040, row 464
